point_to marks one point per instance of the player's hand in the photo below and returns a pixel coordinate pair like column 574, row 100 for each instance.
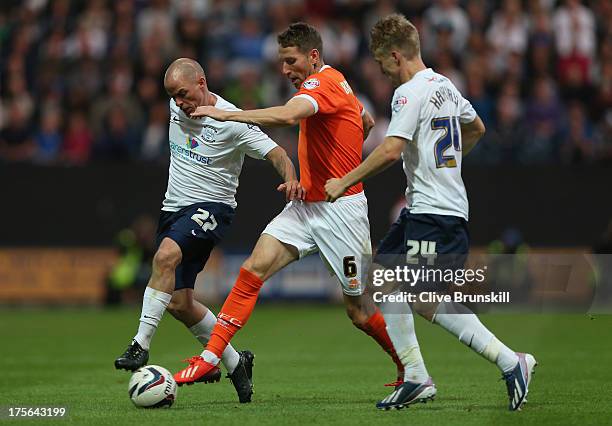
column 334, row 189
column 210, row 111
column 293, row 190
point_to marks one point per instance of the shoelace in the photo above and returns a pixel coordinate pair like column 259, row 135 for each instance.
column 135, row 350
column 193, row 359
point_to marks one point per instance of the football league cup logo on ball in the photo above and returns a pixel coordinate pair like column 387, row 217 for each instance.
column 152, row 387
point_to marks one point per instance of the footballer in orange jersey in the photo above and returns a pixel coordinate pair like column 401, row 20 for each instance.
column 333, row 126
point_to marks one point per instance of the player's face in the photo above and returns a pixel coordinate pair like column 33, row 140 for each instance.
column 389, row 67
column 188, row 95
column 297, row 66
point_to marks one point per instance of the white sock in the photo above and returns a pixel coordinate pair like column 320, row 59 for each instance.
column 210, row 357
column 400, row 327
column 202, row 330
column 154, row 303
column 463, row 323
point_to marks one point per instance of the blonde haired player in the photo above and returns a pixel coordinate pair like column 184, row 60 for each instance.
column 432, row 127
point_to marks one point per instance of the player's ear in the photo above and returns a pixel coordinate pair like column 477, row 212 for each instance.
column 396, row 56
column 315, row 56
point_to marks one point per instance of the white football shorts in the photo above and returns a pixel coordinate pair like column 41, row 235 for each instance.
column 339, row 231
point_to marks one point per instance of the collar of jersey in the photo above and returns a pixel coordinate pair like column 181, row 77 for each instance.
column 190, row 122
column 422, row 71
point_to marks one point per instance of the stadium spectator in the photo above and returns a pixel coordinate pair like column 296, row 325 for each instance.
column 78, row 140
column 49, row 138
column 480, row 99
column 247, row 42
column 507, row 34
column 574, row 27
column 155, row 136
column 119, row 138
column 16, row 139
column 505, row 142
column 579, row 146
column 246, row 90
column 445, row 16
column 543, row 116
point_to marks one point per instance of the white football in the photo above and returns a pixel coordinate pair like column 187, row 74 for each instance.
column 152, row 386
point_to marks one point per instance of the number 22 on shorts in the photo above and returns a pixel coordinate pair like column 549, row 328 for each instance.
column 205, row 220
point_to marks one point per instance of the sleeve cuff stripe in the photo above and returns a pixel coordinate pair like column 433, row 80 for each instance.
column 311, row 99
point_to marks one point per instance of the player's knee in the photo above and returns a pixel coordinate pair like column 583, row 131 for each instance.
column 179, row 308
column 166, row 259
column 357, row 316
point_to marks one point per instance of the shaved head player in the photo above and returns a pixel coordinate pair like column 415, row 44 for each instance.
column 206, row 158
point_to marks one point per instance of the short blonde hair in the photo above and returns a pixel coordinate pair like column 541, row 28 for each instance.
column 395, row 32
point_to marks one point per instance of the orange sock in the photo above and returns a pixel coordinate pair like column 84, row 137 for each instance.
column 376, row 328
column 235, row 311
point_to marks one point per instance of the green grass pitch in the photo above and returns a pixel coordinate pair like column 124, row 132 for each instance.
column 311, row 367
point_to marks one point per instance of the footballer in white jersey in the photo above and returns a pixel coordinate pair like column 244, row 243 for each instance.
column 428, row 111
column 432, row 127
column 206, row 158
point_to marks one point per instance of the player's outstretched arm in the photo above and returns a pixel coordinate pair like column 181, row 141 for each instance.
column 284, row 166
column 382, row 157
column 471, row 134
column 279, row 116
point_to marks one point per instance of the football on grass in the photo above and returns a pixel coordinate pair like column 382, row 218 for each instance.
column 152, row 386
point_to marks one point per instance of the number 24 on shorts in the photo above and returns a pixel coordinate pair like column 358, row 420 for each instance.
column 205, row 220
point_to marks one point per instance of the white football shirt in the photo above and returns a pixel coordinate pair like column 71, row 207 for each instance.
column 427, row 111
column 206, row 157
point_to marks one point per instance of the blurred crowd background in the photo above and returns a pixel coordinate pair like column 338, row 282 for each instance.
column 81, row 81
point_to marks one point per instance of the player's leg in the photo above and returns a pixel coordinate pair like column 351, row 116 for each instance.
column 347, row 254
column 452, row 242
column 465, row 325
column 400, row 327
column 159, row 290
column 200, row 321
column 398, row 316
column 417, row 384
column 283, row 241
column 368, row 318
column 268, row 257
column 156, row 298
column 517, row 368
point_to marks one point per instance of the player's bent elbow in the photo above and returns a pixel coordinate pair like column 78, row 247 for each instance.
column 481, row 130
column 392, row 155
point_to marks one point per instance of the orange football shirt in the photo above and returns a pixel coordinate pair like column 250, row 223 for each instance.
column 331, row 140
